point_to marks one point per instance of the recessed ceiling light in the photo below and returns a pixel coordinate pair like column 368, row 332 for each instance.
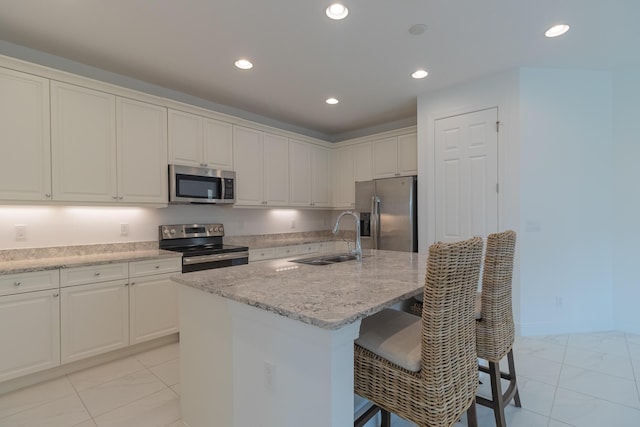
column 417, row 29
column 557, row 30
column 332, row 101
column 419, row 74
column 337, row 11
column 244, row 64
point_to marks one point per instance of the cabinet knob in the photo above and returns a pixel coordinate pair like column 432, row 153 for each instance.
column 17, row 283
column 157, row 266
column 47, row 195
column 120, row 198
column 114, row 197
column 56, row 295
column 97, row 273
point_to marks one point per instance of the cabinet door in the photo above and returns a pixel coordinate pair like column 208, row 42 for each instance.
column 344, row 190
column 94, row 319
column 299, row 174
column 408, row 154
column 142, row 152
column 320, row 188
column 218, row 144
column 83, row 143
column 153, row 307
column 29, row 333
column 276, row 170
column 364, row 162
column 25, row 151
column 385, row 157
column 247, row 145
column 185, row 138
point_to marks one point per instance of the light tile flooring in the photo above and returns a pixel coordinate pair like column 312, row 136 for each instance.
column 580, row 380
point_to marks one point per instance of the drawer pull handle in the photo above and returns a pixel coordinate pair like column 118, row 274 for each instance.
column 97, row 273
column 157, row 266
column 17, row 283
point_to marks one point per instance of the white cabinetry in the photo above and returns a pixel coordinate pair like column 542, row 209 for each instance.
column 25, row 151
column 153, row 299
column 199, row 141
column 344, row 191
column 309, row 175
column 94, row 314
column 395, row 156
column 106, row 148
column 29, row 323
column 261, row 167
column 83, row 144
column 142, row 151
column 363, row 162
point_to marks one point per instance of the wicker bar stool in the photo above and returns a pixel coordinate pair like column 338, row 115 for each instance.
column 425, row 368
column 495, row 330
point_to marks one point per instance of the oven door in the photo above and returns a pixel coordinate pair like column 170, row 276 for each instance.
column 208, row 262
column 200, row 185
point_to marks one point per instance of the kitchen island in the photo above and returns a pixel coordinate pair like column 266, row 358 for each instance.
column 271, row 343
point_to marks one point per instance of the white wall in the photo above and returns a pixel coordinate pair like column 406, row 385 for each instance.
column 565, row 189
column 626, row 201
column 66, row 225
column 555, row 166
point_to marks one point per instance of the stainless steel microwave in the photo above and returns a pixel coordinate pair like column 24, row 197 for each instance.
column 201, row 185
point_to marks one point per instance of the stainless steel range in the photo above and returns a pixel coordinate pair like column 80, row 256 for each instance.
column 201, row 246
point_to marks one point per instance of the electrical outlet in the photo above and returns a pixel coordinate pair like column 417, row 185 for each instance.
column 124, row 229
column 269, row 376
column 21, row 232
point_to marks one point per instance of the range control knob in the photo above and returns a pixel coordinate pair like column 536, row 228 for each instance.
column 173, row 231
column 211, row 229
column 220, row 229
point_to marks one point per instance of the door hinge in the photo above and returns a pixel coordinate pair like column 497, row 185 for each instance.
column 498, row 126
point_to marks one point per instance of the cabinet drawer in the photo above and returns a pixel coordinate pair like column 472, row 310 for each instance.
column 93, row 274
column 287, row 251
column 260, row 254
column 28, row 282
column 155, row 266
column 311, row 248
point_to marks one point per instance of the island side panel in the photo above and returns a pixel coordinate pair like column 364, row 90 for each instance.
column 288, row 373
column 206, row 358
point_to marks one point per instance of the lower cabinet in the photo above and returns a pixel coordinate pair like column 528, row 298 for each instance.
column 94, row 319
column 153, row 308
column 29, row 332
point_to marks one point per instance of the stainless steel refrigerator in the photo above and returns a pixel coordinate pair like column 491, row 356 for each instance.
column 388, row 213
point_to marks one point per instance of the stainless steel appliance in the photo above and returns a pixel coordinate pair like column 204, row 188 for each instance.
column 388, row 213
column 201, row 185
column 201, row 246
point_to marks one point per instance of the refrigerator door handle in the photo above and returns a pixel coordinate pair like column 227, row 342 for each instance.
column 375, row 220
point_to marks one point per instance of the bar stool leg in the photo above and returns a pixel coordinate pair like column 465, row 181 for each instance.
column 496, row 391
column 512, row 378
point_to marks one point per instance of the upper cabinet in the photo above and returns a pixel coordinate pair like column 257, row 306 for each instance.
column 262, row 168
column 142, row 151
column 353, row 163
column 309, row 175
column 25, row 151
column 106, row 148
column 395, row 156
column 83, row 140
column 199, row 141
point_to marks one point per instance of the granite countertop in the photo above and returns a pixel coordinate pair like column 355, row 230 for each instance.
column 37, row 263
column 328, row 296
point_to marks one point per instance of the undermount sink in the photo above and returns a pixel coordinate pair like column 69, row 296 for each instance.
column 325, row 259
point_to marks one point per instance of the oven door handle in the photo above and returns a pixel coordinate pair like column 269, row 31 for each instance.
column 212, row 258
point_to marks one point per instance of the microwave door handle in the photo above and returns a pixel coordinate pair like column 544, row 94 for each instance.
column 375, row 220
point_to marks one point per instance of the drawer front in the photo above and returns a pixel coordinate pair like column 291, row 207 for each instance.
column 287, row 251
column 27, row 282
column 93, row 274
column 311, row 248
column 155, row 266
column 260, row 254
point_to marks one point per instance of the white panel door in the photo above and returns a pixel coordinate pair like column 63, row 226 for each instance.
column 385, row 157
column 83, row 141
column 247, row 145
column 25, row 148
column 29, row 333
column 345, row 189
column 142, row 151
column 276, row 169
column 153, row 307
column 320, row 187
column 299, row 174
column 466, row 175
column 218, row 144
column 94, row 319
column 408, row 154
column 185, row 138
column 363, row 162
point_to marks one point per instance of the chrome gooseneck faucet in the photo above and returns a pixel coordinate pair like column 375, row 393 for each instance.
column 357, row 251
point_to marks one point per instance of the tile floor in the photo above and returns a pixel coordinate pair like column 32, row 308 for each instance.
column 580, row 380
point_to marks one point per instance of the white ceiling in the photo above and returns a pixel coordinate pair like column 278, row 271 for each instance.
column 301, row 57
